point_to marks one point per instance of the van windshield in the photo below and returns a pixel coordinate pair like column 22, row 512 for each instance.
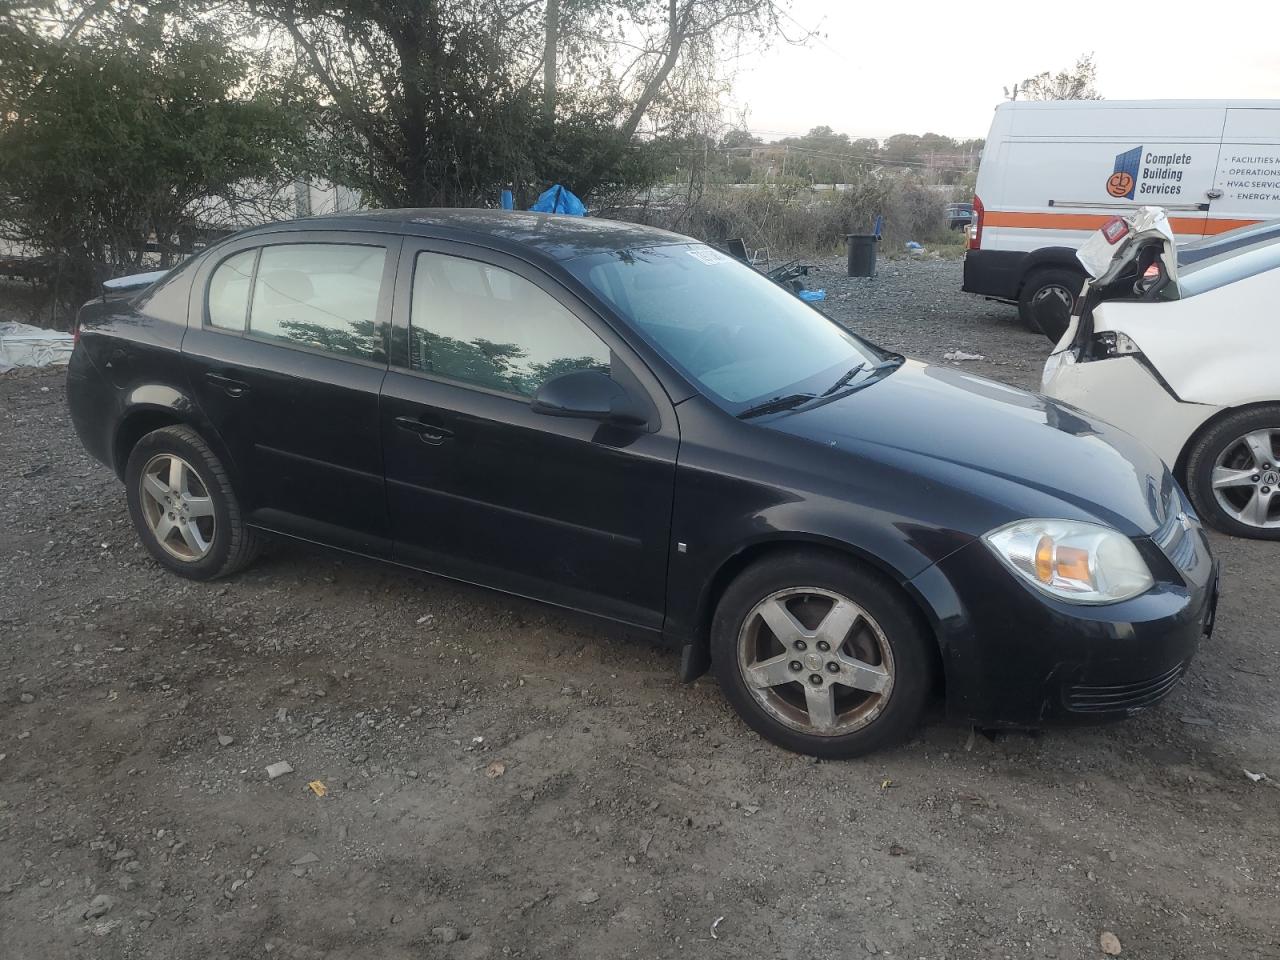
column 733, row 332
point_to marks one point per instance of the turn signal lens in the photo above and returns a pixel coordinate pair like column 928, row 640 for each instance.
column 1071, row 560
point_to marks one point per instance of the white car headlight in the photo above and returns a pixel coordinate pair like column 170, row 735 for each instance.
column 1070, row 560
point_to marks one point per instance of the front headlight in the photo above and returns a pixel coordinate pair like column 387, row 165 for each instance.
column 1074, row 561
column 1112, row 343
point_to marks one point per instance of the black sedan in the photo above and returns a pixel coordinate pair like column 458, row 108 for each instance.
column 629, row 423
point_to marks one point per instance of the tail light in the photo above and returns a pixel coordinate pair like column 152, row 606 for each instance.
column 975, row 228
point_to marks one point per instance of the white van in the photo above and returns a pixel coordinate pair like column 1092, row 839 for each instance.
column 1053, row 172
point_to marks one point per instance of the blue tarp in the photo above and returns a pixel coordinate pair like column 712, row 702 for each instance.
column 559, row 199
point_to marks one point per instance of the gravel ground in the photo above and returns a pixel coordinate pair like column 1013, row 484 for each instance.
column 505, row 780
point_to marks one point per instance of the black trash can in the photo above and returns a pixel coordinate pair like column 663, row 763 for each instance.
column 862, row 254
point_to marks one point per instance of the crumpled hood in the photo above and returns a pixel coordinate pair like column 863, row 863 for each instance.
column 1020, row 453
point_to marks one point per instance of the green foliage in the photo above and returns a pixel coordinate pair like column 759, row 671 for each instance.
column 109, row 139
column 824, row 156
column 1073, row 83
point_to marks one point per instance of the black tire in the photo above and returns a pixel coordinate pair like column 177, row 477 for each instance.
column 1046, row 300
column 912, row 664
column 232, row 544
column 1223, row 439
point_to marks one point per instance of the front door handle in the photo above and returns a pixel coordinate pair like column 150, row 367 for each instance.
column 425, row 431
column 232, row 388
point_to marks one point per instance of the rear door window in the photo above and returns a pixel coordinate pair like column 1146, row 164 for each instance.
column 320, row 295
column 487, row 326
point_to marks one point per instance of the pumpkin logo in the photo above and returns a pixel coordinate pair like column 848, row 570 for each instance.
column 1124, row 178
column 1120, row 184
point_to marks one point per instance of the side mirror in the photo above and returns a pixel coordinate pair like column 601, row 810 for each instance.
column 588, row 395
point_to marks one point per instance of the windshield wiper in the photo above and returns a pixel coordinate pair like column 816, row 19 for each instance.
column 776, row 405
column 861, row 368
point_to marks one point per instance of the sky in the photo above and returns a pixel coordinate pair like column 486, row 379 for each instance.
column 880, row 68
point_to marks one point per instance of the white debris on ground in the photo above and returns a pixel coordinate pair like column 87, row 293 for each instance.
column 24, row 345
column 959, row 355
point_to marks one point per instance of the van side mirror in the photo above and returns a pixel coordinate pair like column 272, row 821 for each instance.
column 588, row 395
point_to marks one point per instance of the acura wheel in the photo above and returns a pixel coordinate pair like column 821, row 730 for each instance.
column 1233, row 473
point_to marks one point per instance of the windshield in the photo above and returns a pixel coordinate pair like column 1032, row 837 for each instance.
column 742, row 338
column 1245, row 236
column 1228, row 267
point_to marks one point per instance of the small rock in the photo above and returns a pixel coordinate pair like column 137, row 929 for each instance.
column 1110, row 943
column 306, row 858
column 27, row 698
column 495, row 770
column 277, row 770
column 133, row 866
column 897, row 850
column 99, row 906
column 445, row 934
column 588, row 896
column 225, row 741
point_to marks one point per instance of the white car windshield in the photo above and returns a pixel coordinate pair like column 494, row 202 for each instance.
column 1228, row 267
column 742, row 338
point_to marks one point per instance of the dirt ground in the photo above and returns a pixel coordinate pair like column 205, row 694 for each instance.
column 506, row 780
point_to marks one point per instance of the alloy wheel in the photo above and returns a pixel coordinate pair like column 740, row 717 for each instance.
column 816, row 661
column 177, row 507
column 1246, row 479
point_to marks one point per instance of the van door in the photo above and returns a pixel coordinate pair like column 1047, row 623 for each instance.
column 1246, row 186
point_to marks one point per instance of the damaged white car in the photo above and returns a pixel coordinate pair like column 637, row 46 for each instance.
column 1183, row 353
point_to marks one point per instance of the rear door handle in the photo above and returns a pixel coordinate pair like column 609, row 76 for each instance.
column 425, row 431
column 232, row 388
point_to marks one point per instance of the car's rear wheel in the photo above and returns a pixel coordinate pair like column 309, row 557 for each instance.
column 820, row 656
column 184, row 508
column 1233, row 473
column 1047, row 299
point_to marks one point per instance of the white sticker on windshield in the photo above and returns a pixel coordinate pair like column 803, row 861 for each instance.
column 707, row 255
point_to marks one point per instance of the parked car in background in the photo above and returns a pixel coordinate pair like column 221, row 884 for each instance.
column 623, row 421
column 1054, row 172
column 1179, row 348
column 959, row 215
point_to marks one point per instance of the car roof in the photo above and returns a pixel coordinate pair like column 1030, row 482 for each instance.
column 555, row 236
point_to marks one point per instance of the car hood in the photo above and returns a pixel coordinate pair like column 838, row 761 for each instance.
column 1012, row 454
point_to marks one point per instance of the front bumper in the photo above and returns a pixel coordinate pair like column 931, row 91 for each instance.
column 1014, row 657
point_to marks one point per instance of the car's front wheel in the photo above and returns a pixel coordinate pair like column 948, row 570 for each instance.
column 1233, row 473
column 184, row 508
column 820, row 656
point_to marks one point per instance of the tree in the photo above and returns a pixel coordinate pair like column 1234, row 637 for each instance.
column 110, row 139
column 1074, row 83
column 431, row 102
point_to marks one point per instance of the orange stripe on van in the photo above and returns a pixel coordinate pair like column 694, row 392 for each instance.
column 1092, row 221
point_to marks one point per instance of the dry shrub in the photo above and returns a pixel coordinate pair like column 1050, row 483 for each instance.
column 797, row 221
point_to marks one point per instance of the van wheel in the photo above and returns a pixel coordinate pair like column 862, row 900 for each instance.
column 1233, row 474
column 183, row 507
column 821, row 656
column 1047, row 298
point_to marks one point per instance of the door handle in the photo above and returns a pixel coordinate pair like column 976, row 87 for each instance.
column 425, row 431
column 232, row 388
